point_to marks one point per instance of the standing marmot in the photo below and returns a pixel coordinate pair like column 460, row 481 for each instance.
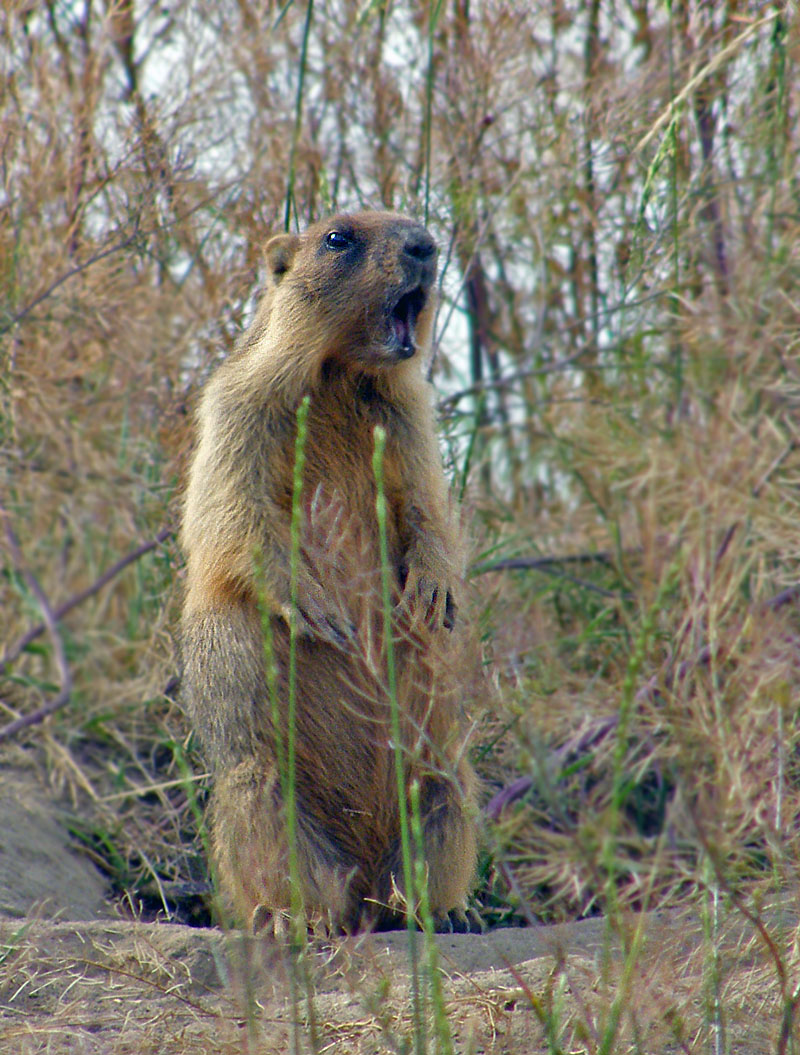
column 346, row 320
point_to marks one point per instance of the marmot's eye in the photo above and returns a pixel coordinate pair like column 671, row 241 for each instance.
column 337, row 240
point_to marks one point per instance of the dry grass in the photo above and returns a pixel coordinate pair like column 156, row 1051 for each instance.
column 114, row 988
column 616, row 195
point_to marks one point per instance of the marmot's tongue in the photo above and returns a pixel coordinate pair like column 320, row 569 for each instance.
column 401, row 330
column 404, row 318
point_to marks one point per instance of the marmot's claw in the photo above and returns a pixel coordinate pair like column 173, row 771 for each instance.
column 449, row 611
column 474, row 922
column 317, row 623
column 438, row 613
column 423, row 591
column 443, row 924
column 339, row 635
column 458, row 921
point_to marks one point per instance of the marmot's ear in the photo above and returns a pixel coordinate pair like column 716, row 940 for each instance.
column 279, row 252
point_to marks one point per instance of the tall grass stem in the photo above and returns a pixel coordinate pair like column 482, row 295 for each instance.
column 290, row 793
column 444, row 1039
column 298, row 116
column 397, row 738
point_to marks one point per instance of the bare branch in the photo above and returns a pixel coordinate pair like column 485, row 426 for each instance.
column 510, row 380
column 552, row 566
column 19, row 646
column 787, row 596
column 50, row 624
column 7, row 731
column 76, row 270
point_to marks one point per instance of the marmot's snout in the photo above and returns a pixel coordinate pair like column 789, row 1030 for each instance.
column 419, row 257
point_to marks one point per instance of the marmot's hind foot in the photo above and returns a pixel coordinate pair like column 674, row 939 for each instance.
column 458, row 921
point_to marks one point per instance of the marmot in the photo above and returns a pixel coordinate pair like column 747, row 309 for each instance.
column 346, row 320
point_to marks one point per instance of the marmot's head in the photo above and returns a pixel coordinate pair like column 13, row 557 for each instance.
column 357, row 288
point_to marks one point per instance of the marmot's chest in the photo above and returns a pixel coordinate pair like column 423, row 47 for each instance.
column 340, row 440
column 371, row 406
column 339, row 485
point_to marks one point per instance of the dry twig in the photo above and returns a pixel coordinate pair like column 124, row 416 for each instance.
column 50, row 623
column 72, row 602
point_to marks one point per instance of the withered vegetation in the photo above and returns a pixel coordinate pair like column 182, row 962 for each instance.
column 615, row 189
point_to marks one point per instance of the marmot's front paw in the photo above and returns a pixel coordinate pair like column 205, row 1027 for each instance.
column 329, row 628
column 317, row 619
column 421, row 592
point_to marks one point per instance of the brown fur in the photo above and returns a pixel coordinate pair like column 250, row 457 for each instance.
column 325, row 329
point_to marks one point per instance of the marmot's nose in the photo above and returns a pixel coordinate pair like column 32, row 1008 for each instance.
column 419, row 245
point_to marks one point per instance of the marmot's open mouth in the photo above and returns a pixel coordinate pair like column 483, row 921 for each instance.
column 404, row 319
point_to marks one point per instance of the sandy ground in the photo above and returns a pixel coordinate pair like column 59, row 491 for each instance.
column 71, row 982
